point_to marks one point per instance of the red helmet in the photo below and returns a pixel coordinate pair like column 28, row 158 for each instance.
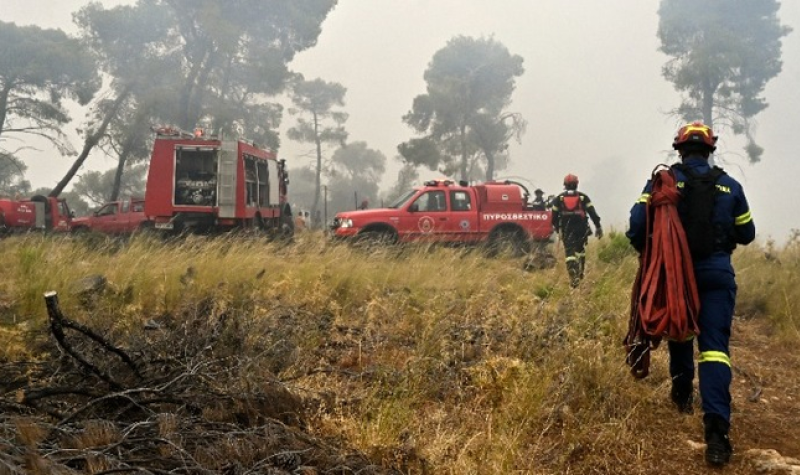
column 695, row 133
column 571, row 181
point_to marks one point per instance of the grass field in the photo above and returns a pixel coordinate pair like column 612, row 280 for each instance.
column 416, row 359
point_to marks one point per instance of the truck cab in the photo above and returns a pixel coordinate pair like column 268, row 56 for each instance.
column 116, row 217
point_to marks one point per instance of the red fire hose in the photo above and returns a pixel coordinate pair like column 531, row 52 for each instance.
column 664, row 300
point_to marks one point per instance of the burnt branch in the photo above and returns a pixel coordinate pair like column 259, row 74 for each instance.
column 57, row 324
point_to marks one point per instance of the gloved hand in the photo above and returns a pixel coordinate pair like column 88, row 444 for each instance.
column 598, row 232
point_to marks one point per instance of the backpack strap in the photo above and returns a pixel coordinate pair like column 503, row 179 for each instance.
column 716, row 172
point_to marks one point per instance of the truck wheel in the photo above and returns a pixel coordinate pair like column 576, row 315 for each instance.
column 375, row 239
column 509, row 242
column 257, row 227
column 286, row 223
column 541, row 257
column 286, row 232
column 259, row 224
column 146, row 228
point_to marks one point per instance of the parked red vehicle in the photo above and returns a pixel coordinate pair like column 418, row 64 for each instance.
column 203, row 183
column 444, row 211
column 116, row 217
column 38, row 213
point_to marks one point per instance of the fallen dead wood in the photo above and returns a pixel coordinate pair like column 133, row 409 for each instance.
column 58, row 322
column 176, row 402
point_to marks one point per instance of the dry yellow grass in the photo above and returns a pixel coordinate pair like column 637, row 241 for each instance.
column 427, row 359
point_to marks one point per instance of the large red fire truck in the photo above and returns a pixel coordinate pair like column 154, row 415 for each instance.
column 444, row 211
column 201, row 183
column 38, row 213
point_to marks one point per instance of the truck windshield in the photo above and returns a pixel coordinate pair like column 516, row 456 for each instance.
column 402, row 199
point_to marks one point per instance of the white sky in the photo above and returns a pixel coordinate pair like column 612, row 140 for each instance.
column 592, row 92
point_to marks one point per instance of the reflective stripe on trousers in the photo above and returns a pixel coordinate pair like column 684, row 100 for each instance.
column 717, row 290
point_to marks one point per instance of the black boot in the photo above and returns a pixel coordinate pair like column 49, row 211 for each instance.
column 718, row 445
column 574, row 271
column 683, row 398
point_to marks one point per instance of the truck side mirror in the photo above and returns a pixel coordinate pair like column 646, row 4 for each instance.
column 71, row 213
column 413, row 208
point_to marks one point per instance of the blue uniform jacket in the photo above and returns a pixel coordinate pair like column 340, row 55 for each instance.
column 730, row 211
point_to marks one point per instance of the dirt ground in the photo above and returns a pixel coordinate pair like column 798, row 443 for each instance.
column 766, row 393
column 765, row 423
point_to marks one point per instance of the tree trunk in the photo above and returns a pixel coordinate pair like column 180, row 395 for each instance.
column 123, row 157
column 708, row 110
column 90, row 142
column 318, row 177
column 4, row 105
column 188, row 91
column 195, row 104
column 489, row 165
column 463, row 138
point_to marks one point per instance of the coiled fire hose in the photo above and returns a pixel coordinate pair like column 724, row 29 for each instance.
column 664, row 301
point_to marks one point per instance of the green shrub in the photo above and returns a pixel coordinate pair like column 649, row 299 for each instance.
column 615, row 248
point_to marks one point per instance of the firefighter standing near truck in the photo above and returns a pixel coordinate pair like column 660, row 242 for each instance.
column 539, row 202
column 715, row 222
column 571, row 211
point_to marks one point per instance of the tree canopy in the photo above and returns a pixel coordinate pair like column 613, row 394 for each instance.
column 356, row 172
column 357, row 161
column 406, row 179
column 235, row 53
column 39, row 68
column 194, row 62
column 723, row 54
column 463, row 115
column 96, row 187
column 12, row 176
column 318, row 122
column 128, row 42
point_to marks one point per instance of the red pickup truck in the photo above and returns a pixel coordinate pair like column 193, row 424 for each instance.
column 115, row 217
column 443, row 211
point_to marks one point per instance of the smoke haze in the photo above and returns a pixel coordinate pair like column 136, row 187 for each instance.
column 592, row 93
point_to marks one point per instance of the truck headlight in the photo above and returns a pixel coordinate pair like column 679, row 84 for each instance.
column 345, row 223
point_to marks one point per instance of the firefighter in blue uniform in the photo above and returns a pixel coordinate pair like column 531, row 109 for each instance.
column 716, row 286
column 571, row 211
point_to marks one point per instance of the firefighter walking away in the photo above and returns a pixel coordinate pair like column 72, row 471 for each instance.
column 715, row 216
column 571, row 211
